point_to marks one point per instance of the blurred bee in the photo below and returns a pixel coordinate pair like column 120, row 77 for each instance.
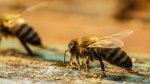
column 15, row 25
column 94, row 48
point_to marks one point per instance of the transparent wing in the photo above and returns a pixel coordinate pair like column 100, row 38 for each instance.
column 35, row 7
column 112, row 41
column 107, row 43
column 120, row 35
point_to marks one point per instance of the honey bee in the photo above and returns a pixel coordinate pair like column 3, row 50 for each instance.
column 106, row 48
column 15, row 26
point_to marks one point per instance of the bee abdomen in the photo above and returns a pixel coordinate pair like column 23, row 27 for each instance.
column 28, row 34
column 117, row 56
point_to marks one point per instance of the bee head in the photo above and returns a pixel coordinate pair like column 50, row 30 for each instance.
column 11, row 21
column 73, row 46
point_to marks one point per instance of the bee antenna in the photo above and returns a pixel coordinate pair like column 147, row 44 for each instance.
column 65, row 57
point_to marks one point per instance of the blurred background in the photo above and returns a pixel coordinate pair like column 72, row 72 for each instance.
column 63, row 20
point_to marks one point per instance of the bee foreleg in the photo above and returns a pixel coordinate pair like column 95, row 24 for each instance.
column 78, row 63
column 26, row 47
column 70, row 62
column 87, row 65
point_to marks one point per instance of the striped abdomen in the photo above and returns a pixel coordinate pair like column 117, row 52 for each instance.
column 115, row 56
column 26, row 33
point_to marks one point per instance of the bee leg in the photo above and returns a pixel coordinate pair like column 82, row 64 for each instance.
column 101, row 62
column 26, row 47
column 70, row 62
column 87, row 66
column 102, row 67
column 0, row 38
column 78, row 63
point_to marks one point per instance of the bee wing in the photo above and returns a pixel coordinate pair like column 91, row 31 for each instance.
column 107, row 43
column 112, row 41
column 35, row 7
column 120, row 35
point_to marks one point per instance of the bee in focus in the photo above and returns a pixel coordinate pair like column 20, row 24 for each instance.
column 106, row 48
column 15, row 26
